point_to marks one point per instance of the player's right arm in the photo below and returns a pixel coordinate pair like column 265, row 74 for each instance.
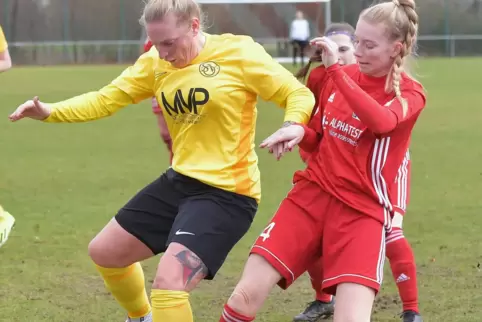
column 132, row 86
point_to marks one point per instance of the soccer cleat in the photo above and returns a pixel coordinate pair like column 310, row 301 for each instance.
column 146, row 318
column 411, row 316
column 7, row 222
column 317, row 310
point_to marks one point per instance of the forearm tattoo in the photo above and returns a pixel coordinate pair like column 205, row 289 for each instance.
column 192, row 266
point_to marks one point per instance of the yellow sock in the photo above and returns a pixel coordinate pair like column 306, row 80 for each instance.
column 127, row 285
column 171, row 306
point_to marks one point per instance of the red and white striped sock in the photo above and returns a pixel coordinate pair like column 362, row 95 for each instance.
column 404, row 270
column 230, row 315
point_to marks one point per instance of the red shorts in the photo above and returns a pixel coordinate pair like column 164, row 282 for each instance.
column 310, row 224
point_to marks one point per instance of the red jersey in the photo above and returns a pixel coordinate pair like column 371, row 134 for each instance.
column 365, row 135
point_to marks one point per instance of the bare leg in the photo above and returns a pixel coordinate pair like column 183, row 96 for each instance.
column 257, row 281
column 354, row 303
column 180, row 270
column 114, row 247
column 116, row 254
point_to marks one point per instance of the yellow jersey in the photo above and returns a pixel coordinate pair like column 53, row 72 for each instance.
column 3, row 41
column 209, row 107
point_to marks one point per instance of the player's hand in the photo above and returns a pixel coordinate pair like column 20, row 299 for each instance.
column 33, row 109
column 279, row 150
column 283, row 140
column 329, row 50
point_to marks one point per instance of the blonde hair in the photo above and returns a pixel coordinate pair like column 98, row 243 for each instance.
column 401, row 20
column 185, row 10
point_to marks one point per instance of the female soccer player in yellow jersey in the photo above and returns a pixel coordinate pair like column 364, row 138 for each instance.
column 6, row 220
column 199, row 208
column 5, row 60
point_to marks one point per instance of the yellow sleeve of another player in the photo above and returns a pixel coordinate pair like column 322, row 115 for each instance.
column 135, row 84
column 3, row 41
column 272, row 82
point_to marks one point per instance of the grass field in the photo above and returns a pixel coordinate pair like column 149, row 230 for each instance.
column 64, row 182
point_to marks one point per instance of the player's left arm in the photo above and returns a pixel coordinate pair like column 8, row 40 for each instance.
column 378, row 118
column 5, row 59
column 272, row 82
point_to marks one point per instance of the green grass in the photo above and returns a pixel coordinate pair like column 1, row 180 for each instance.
column 64, row 182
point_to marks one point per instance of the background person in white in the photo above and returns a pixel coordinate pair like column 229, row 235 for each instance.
column 299, row 35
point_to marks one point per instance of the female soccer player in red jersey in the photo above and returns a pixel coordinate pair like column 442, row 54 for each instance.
column 319, row 83
column 398, row 250
column 340, row 207
column 156, row 109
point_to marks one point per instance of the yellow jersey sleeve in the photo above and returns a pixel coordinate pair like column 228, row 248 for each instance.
column 3, row 41
column 272, row 82
column 135, row 84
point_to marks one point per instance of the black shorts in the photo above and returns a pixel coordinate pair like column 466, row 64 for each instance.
column 176, row 208
column 302, row 44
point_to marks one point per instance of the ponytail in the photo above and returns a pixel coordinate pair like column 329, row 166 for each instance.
column 316, row 57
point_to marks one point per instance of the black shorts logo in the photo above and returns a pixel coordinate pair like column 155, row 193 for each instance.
column 209, row 69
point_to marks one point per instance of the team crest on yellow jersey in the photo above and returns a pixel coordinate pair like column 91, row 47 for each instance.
column 209, row 69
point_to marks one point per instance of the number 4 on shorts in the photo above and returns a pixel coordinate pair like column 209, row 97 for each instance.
column 267, row 231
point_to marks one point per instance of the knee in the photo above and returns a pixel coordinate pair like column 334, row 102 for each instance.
column 258, row 279
column 244, row 300
column 102, row 256
column 96, row 253
column 168, row 281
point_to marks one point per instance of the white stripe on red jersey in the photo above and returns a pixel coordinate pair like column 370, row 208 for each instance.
column 402, row 182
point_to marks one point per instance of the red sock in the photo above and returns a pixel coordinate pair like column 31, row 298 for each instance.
column 316, row 276
column 404, row 270
column 324, row 297
column 230, row 315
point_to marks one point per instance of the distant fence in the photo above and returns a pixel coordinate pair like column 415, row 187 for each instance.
column 125, row 51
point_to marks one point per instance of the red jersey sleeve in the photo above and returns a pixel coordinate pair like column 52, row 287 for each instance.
column 156, row 109
column 147, row 45
column 310, row 140
column 378, row 118
column 401, row 186
column 317, row 80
